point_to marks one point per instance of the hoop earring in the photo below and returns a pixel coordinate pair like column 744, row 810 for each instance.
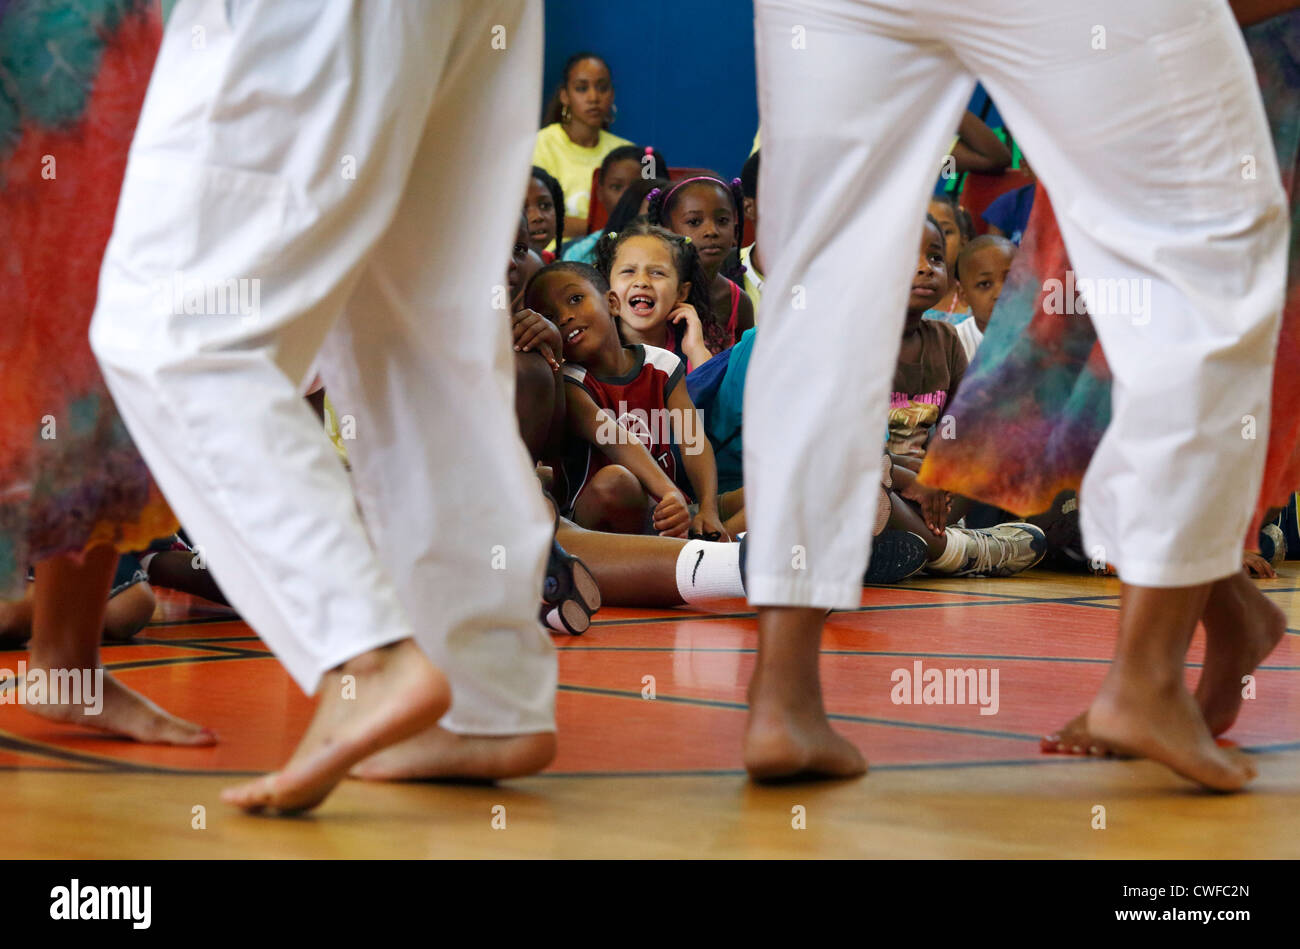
column 613, row 112
column 565, row 115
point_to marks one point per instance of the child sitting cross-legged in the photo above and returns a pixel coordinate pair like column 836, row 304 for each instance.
column 931, row 363
column 637, row 448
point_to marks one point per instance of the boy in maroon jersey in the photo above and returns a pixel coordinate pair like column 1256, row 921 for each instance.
column 639, row 446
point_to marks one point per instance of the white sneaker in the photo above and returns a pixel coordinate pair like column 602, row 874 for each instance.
column 1002, row 550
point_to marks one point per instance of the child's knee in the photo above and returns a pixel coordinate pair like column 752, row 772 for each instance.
column 129, row 612
column 15, row 620
column 615, row 490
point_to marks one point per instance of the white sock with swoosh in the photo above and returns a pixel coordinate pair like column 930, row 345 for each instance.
column 709, row 571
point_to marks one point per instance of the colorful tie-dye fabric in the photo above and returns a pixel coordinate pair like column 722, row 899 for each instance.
column 73, row 75
column 1036, row 399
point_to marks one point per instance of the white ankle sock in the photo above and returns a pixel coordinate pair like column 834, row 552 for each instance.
column 708, row 572
column 953, row 556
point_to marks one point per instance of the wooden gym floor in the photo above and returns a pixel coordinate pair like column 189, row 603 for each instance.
column 662, row 778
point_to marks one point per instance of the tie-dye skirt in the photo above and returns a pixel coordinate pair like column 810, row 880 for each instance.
column 1036, row 399
column 73, row 74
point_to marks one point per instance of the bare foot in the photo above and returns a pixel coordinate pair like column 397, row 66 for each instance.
column 396, row 693
column 121, row 712
column 1242, row 626
column 788, row 735
column 1161, row 721
column 438, row 753
column 782, row 742
column 1073, row 739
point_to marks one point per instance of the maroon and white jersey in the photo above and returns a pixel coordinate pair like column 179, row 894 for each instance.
column 639, row 403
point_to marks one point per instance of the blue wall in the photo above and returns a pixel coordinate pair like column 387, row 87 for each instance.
column 683, row 72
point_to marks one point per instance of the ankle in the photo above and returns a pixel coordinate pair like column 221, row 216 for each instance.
column 62, row 658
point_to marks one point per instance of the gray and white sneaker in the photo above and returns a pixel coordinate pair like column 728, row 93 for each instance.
column 1002, row 550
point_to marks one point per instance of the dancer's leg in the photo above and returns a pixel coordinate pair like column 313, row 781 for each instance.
column 855, row 122
column 68, row 620
column 1242, row 626
column 1143, row 707
column 275, row 200
column 426, row 367
column 1201, row 264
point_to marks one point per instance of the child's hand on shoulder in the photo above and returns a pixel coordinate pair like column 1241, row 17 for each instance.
column 532, row 331
column 672, row 517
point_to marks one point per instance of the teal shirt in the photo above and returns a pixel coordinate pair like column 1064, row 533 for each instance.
column 583, row 249
column 723, row 422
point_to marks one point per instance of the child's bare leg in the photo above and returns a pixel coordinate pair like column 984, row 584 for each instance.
column 788, row 734
column 394, row 692
column 69, row 602
column 16, row 621
column 612, row 501
column 1242, row 626
column 905, row 517
column 1143, row 707
column 177, row 570
column 128, row 612
column 630, row 569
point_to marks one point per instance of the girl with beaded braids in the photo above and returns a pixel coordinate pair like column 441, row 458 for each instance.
column 574, row 138
column 710, row 212
column 660, row 287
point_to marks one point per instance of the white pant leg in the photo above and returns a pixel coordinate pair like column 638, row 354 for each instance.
column 1142, row 146
column 424, row 364
column 857, row 111
column 273, row 147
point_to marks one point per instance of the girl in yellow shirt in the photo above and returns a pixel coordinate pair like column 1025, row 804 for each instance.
column 573, row 140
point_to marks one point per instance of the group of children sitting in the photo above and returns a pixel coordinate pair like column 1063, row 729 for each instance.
column 638, row 321
column 622, row 335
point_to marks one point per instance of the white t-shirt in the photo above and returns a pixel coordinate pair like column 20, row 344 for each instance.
column 968, row 332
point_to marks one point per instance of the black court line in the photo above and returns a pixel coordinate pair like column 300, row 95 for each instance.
column 836, row 716
column 872, row 608
column 1027, row 597
column 749, row 650
column 201, row 644
column 180, row 660
column 195, row 621
column 41, row 749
